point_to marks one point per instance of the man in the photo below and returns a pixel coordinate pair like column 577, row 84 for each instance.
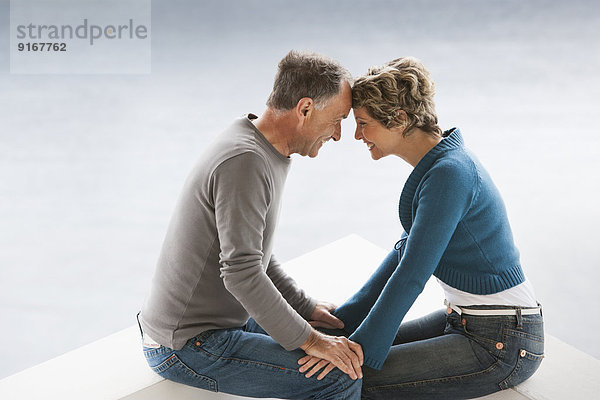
column 216, row 268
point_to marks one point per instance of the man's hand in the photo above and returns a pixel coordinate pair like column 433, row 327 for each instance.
column 322, row 317
column 337, row 350
column 316, row 363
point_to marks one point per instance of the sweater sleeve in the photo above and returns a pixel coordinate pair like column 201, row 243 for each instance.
column 444, row 198
column 242, row 196
column 357, row 307
column 290, row 290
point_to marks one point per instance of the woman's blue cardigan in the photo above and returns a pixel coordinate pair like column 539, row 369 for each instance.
column 456, row 228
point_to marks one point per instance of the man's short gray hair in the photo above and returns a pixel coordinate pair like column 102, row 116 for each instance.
column 306, row 74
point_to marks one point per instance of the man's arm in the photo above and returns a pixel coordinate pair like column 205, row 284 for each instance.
column 241, row 193
column 295, row 296
column 317, row 313
column 242, row 196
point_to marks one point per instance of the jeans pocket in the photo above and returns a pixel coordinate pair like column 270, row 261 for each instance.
column 527, row 364
column 176, row 370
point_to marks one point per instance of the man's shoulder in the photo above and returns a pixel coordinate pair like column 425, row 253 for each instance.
column 236, row 140
column 239, row 137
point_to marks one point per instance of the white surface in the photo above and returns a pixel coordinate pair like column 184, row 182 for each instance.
column 106, row 369
column 114, row 367
column 565, row 373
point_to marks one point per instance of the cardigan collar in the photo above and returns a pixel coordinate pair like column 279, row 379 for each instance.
column 452, row 140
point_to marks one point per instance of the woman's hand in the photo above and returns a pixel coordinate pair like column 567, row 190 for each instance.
column 322, row 317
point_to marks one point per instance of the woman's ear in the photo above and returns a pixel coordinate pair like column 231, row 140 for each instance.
column 402, row 120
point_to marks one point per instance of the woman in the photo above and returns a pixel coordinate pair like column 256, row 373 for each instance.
column 491, row 335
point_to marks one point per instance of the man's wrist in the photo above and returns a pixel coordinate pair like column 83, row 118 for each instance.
column 313, row 338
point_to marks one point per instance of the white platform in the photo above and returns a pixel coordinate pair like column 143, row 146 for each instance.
column 114, row 367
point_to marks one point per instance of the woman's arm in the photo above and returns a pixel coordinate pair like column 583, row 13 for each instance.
column 445, row 196
column 355, row 309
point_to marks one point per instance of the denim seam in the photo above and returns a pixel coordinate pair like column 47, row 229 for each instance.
column 484, row 339
column 530, row 356
column 166, row 364
column 506, row 322
column 173, row 361
column 258, row 363
column 211, row 382
column 524, row 335
column 427, row 381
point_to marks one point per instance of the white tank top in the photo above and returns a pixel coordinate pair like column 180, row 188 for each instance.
column 521, row 295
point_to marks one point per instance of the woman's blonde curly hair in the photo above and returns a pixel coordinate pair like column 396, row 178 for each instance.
column 403, row 84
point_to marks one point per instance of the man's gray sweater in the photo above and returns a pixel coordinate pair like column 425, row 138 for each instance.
column 216, row 267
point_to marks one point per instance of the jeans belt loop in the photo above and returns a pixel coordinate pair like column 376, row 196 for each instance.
column 519, row 319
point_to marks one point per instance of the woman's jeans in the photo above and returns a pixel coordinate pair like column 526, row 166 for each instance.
column 449, row 356
column 247, row 362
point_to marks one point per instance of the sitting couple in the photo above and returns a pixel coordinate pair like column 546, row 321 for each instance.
column 222, row 314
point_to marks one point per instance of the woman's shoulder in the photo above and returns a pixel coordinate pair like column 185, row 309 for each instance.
column 457, row 164
column 452, row 176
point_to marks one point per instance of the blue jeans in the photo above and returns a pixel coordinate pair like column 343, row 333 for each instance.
column 246, row 362
column 449, row 356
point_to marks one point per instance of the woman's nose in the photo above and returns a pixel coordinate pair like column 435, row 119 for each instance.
column 357, row 133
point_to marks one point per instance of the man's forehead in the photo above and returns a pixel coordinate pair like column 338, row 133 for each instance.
column 341, row 104
column 342, row 110
column 346, row 97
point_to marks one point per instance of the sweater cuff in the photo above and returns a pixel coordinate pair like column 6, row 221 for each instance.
column 307, row 308
column 299, row 341
column 373, row 363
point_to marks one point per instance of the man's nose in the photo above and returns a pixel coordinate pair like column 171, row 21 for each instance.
column 337, row 135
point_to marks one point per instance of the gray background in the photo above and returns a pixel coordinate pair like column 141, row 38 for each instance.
column 91, row 165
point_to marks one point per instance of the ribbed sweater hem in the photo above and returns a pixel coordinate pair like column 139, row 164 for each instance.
column 486, row 284
column 373, row 363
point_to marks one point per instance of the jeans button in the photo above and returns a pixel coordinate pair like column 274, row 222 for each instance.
column 448, row 310
column 523, row 353
column 499, row 345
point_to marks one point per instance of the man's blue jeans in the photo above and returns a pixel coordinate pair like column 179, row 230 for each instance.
column 247, row 362
column 449, row 356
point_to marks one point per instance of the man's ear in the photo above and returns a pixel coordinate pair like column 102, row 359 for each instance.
column 304, row 108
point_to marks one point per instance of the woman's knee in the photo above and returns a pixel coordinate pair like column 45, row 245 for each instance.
column 340, row 386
